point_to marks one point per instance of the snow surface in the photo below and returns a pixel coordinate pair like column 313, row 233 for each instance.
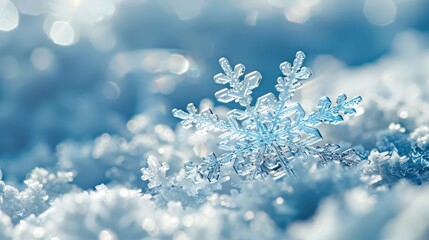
column 89, row 148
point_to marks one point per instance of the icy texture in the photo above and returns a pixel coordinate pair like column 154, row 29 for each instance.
column 155, row 172
column 41, row 189
column 118, row 159
column 421, row 137
column 398, row 156
column 121, row 213
column 118, row 213
column 298, row 198
column 185, row 186
column 70, row 110
column 336, row 187
column 262, row 210
column 262, row 139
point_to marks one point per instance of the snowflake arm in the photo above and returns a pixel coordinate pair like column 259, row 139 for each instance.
column 331, row 114
column 204, row 121
column 288, row 84
column 240, row 90
column 211, row 167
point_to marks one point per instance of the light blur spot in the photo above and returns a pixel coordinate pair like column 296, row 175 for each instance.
column 119, row 65
column 322, row 226
column 150, row 226
column 111, row 90
column 396, row 127
column 359, row 201
column 97, row 10
column 9, row 16
column 69, row 175
column 380, row 12
column 169, row 224
column 106, row 235
column 38, row 232
column 159, row 128
column 102, row 39
column 161, row 150
column 408, row 43
column 33, row 8
column 280, row 200
column 63, row 7
column 252, row 18
column 414, row 90
column 41, row 58
column 375, row 179
column 180, row 236
column 276, row 3
column 326, row 64
column 200, row 149
column 234, row 192
column 62, row 33
column 5, row 220
column 403, row 114
column 298, row 14
column 9, row 67
column 154, row 61
column 187, row 221
column 132, row 125
column 138, row 123
column 163, row 84
column 249, row 215
column 177, row 64
column 187, row 9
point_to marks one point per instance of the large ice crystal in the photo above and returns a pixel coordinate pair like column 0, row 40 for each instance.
column 261, row 140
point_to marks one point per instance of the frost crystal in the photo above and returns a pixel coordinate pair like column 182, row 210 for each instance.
column 261, row 140
column 399, row 156
column 42, row 187
column 155, row 173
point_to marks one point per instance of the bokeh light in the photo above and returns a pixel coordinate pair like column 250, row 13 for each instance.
column 89, row 148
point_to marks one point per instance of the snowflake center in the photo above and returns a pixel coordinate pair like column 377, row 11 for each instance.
column 268, row 138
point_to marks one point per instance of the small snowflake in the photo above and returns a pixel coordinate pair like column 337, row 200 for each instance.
column 261, row 140
column 155, row 172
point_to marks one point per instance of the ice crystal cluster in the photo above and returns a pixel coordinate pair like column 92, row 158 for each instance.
column 90, row 150
column 261, row 140
column 144, row 183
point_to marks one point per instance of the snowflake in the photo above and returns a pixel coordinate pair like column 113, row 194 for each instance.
column 263, row 139
column 155, row 172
